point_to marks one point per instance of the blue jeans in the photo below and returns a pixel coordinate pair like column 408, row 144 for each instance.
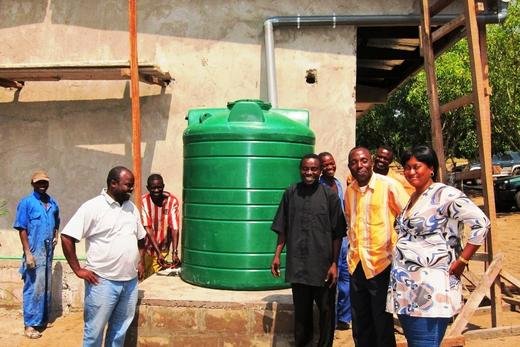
column 423, row 331
column 111, row 302
column 343, row 308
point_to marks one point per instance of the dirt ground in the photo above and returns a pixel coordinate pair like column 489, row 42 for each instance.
column 68, row 329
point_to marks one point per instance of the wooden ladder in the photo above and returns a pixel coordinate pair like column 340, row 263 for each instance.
column 476, row 36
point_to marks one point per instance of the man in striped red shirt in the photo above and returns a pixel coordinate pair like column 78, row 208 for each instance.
column 160, row 214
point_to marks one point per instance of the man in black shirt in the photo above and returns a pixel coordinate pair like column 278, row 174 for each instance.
column 310, row 222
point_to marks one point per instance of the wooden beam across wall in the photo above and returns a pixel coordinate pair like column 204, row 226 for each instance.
column 99, row 71
column 376, row 53
column 11, row 84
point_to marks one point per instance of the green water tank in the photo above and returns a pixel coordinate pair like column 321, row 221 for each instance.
column 237, row 163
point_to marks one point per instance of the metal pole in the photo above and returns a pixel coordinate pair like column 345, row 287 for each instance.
column 136, row 112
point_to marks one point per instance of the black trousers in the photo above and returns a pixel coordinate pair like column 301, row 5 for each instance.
column 372, row 326
column 303, row 298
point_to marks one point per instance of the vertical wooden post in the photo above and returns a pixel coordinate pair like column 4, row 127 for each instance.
column 431, row 84
column 480, row 76
column 136, row 112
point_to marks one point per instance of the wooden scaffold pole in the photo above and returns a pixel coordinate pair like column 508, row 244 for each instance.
column 136, row 112
column 480, row 98
column 431, row 84
column 476, row 35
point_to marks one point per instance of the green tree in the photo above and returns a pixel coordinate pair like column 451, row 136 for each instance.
column 504, row 62
column 404, row 120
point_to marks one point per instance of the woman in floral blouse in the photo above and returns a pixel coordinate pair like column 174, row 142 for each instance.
column 428, row 259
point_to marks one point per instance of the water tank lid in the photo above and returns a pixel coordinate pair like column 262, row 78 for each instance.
column 266, row 106
column 247, row 111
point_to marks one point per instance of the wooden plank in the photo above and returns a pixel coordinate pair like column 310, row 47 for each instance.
column 477, row 173
column 459, row 102
column 125, row 73
column 510, row 300
column 453, row 341
column 480, row 256
column 476, row 37
column 476, row 297
column 11, row 84
column 431, row 84
column 75, row 64
column 61, row 74
column 136, row 109
column 367, row 94
column 149, row 74
column 493, row 333
column 447, row 341
column 468, row 175
column 373, row 73
column 448, row 28
column 510, row 278
column 438, row 6
column 486, row 310
column 376, row 53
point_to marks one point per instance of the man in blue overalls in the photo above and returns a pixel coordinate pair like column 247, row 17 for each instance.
column 37, row 220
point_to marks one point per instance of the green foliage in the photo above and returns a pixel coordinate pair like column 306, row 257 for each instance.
column 504, row 61
column 404, row 120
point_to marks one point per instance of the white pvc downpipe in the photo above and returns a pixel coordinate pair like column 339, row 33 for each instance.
column 270, row 64
column 354, row 20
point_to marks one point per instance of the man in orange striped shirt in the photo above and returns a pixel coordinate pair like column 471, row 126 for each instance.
column 382, row 160
column 160, row 215
column 372, row 201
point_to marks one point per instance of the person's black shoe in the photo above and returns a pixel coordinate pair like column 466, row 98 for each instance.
column 342, row 326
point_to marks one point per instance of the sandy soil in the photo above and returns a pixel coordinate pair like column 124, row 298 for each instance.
column 68, row 329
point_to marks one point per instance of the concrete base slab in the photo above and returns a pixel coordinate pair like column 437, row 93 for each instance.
column 172, row 313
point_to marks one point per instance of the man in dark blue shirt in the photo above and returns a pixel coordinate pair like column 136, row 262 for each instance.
column 37, row 220
column 310, row 222
column 343, row 307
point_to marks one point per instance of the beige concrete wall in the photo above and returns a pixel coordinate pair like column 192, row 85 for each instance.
column 78, row 130
column 67, row 291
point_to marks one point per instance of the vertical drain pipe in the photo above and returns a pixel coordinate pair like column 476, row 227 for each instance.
column 270, row 65
column 354, row 20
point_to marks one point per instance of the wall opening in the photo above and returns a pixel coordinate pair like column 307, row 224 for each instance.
column 311, row 76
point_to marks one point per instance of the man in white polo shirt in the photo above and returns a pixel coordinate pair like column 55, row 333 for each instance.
column 114, row 240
